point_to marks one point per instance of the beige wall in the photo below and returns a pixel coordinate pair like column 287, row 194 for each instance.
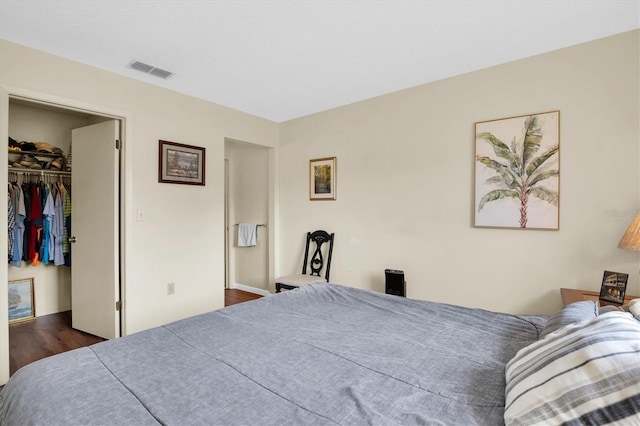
column 181, row 239
column 405, row 182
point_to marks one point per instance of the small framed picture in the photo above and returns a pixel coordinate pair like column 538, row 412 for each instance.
column 22, row 304
column 179, row 163
column 322, row 179
column 614, row 286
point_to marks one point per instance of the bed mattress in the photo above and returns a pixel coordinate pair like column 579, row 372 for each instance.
column 321, row 354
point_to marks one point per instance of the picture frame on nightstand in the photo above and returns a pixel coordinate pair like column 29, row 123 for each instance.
column 614, row 287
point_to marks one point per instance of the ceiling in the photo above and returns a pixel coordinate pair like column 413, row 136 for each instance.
column 282, row 59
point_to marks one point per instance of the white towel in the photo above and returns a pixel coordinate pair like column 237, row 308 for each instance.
column 247, row 234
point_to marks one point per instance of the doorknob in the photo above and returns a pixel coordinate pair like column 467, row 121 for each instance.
column 72, row 239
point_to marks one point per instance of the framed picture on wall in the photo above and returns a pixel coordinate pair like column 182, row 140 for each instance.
column 22, row 303
column 180, row 163
column 614, row 287
column 517, row 172
column 322, row 179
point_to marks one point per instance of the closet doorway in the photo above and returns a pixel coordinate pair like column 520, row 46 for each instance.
column 90, row 286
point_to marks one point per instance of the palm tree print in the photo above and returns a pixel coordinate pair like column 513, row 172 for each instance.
column 519, row 169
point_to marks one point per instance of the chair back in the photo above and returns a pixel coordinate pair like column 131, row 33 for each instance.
column 316, row 263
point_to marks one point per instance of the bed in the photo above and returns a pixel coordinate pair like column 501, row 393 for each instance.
column 321, row 354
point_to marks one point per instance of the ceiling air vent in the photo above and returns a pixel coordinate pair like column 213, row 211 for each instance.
column 150, row 69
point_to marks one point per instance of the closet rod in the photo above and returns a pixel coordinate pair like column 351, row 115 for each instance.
column 260, row 224
column 40, row 172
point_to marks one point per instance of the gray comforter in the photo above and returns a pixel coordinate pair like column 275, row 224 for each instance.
column 322, row 354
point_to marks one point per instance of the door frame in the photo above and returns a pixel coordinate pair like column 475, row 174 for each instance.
column 272, row 219
column 226, row 224
column 8, row 92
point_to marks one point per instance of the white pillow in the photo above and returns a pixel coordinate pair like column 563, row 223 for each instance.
column 634, row 308
column 573, row 312
column 587, row 372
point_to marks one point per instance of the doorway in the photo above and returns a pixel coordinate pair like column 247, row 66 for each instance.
column 32, row 119
column 248, row 200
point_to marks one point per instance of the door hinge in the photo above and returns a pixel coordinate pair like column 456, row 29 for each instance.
column 118, row 305
column 117, row 143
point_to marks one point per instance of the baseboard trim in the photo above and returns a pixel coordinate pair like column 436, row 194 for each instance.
column 250, row 289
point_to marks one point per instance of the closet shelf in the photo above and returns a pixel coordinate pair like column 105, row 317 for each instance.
column 27, row 171
column 36, row 153
column 15, row 156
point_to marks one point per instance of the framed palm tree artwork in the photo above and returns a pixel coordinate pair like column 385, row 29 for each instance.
column 517, row 172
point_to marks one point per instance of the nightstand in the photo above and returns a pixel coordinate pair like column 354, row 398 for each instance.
column 570, row 295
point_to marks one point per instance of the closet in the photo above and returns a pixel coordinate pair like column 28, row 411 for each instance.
column 37, row 229
column 92, row 178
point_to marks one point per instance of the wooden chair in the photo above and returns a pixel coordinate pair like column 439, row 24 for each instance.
column 315, row 264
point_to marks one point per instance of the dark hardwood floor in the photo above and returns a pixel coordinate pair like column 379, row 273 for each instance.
column 44, row 336
column 233, row 296
column 52, row 334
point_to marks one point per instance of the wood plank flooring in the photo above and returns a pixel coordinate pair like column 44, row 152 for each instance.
column 48, row 335
column 233, row 296
column 44, row 336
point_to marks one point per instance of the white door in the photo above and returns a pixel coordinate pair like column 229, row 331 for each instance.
column 95, row 284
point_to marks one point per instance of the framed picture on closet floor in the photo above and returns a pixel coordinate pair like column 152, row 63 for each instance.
column 22, row 302
column 180, row 163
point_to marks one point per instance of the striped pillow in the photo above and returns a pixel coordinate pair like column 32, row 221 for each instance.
column 584, row 373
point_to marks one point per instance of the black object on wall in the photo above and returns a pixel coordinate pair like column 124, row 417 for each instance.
column 394, row 282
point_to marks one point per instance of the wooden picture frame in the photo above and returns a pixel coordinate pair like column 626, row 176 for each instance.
column 614, row 287
column 22, row 302
column 180, row 163
column 322, row 179
column 517, row 172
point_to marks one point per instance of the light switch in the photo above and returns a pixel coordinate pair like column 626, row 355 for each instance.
column 139, row 215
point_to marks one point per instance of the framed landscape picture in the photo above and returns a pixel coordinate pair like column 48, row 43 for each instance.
column 322, row 179
column 614, row 287
column 180, row 163
column 22, row 304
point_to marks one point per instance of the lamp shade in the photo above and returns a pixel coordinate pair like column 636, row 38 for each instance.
column 631, row 238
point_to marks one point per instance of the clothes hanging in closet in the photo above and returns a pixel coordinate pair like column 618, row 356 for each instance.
column 66, row 247
column 17, row 228
column 11, row 223
column 35, row 225
column 46, row 247
column 59, row 230
column 39, row 220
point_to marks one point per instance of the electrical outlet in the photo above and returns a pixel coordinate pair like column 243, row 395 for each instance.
column 171, row 289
